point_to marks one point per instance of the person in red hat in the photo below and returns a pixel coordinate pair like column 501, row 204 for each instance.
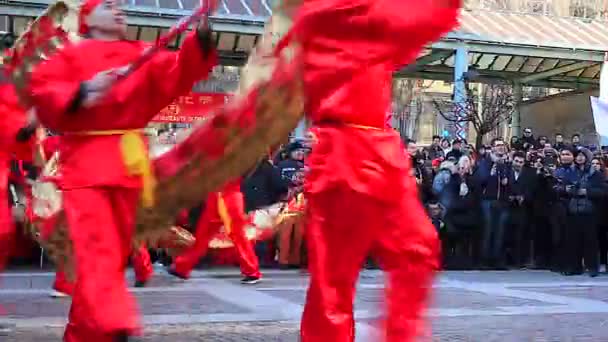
column 361, row 198
column 105, row 167
column 225, row 208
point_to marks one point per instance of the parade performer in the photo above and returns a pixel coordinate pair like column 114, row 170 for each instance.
column 104, row 164
column 360, row 197
column 226, row 208
column 14, row 129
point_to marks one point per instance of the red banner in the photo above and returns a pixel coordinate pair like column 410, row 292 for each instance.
column 190, row 108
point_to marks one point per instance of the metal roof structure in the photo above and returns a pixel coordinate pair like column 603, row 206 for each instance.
column 237, row 23
column 533, row 50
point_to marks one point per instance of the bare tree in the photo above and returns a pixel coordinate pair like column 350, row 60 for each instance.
column 407, row 104
column 484, row 111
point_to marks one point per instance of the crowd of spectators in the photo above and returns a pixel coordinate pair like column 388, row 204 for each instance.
column 529, row 203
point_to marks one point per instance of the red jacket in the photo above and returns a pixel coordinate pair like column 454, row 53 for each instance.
column 96, row 159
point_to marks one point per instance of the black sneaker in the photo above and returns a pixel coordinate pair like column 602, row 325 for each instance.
column 174, row 273
column 250, row 280
column 139, row 283
column 121, row 337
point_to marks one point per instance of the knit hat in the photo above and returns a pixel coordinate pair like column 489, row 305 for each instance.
column 86, row 9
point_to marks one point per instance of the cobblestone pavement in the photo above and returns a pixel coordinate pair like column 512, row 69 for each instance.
column 516, row 306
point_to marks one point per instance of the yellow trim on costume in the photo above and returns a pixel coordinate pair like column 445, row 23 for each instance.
column 222, row 210
column 299, row 199
column 136, row 159
column 364, row 127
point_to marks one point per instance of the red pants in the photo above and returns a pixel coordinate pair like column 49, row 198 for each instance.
column 7, row 226
column 7, row 230
column 343, row 227
column 101, row 225
column 62, row 283
column 141, row 265
column 209, row 224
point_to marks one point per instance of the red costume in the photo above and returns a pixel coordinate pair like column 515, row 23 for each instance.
column 140, row 258
column 104, row 167
column 360, row 196
column 13, row 120
column 224, row 208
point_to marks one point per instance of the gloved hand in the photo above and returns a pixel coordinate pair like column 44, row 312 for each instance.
column 95, row 88
column 205, row 38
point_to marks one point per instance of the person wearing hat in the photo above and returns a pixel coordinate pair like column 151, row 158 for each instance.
column 580, row 187
column 294, row 162
column 456, row 151
column 105, row 165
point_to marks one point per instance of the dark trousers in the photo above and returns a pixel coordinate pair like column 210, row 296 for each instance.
column 603, row 242
column 581, row 243
column 495, row 220
column 542, row 236
column 521, row 238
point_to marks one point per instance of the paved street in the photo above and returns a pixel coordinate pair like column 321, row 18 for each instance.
column 213, row 306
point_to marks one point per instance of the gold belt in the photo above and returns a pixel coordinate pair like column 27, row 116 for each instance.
column 351, row 125
column 368, row 128
column 135, row 158
column 222, row 210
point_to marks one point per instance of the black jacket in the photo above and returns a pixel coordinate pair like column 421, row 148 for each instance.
column 571, row 180
column 263, row 187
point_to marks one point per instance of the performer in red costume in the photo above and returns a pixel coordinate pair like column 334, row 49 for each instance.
column 104, row 167
column 360, row 196
column 225, row 208
column 14, row 129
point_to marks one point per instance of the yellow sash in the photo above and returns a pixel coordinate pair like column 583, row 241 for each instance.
column 369, row 128
column 222, row 210
column 136, row 159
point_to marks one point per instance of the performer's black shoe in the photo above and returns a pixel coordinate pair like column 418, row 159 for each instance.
column 139, row 283
column 249, row 280
column 121, row 337
column 174, row 273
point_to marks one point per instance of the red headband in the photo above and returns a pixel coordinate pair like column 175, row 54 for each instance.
column 86, row 8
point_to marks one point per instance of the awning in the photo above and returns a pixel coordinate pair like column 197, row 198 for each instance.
column 531, row 49
column 237, row 25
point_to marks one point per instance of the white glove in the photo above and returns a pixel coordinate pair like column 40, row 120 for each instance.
column 464, row 189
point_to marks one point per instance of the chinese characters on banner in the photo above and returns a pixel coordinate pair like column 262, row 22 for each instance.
column 191, row 108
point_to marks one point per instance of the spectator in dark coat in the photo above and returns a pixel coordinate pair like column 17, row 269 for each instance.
column 456, row 151
column 264, row 186
column 581, row 186
column 290, row 167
